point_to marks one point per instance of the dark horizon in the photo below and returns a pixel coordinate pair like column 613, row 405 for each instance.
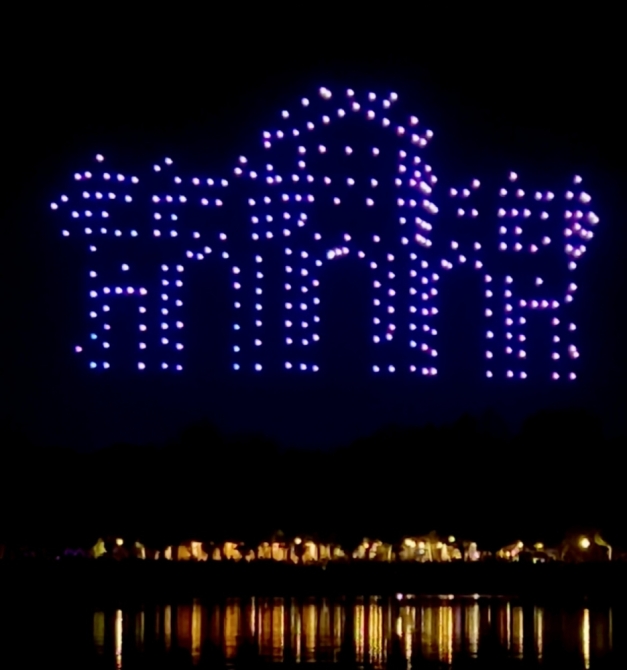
column 471, row 479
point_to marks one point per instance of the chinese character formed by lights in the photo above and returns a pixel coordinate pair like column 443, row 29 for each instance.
column 294, row 195
column 542, row 237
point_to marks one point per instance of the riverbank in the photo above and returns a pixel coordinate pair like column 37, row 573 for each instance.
column 155, row 581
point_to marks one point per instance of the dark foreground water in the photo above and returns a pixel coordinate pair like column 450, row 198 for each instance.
column 396, row 632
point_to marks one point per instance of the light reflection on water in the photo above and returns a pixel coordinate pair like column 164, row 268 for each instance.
column 363, row 632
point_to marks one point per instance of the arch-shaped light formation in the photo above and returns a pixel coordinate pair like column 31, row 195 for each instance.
column 324, row 156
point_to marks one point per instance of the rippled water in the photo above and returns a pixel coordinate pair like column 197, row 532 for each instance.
column 372, row 632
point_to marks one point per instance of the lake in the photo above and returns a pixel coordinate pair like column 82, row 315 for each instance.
column 364, row 632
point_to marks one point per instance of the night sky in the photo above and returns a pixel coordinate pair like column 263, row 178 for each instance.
column 542, row 95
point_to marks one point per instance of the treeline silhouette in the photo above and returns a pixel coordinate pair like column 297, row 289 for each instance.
column 471, row 479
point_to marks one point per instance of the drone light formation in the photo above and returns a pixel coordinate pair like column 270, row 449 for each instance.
column 336, row 157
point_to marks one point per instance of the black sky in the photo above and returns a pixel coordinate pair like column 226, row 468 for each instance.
column 538, row 91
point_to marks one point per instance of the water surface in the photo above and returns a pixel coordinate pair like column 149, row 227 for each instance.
column 368, row 632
